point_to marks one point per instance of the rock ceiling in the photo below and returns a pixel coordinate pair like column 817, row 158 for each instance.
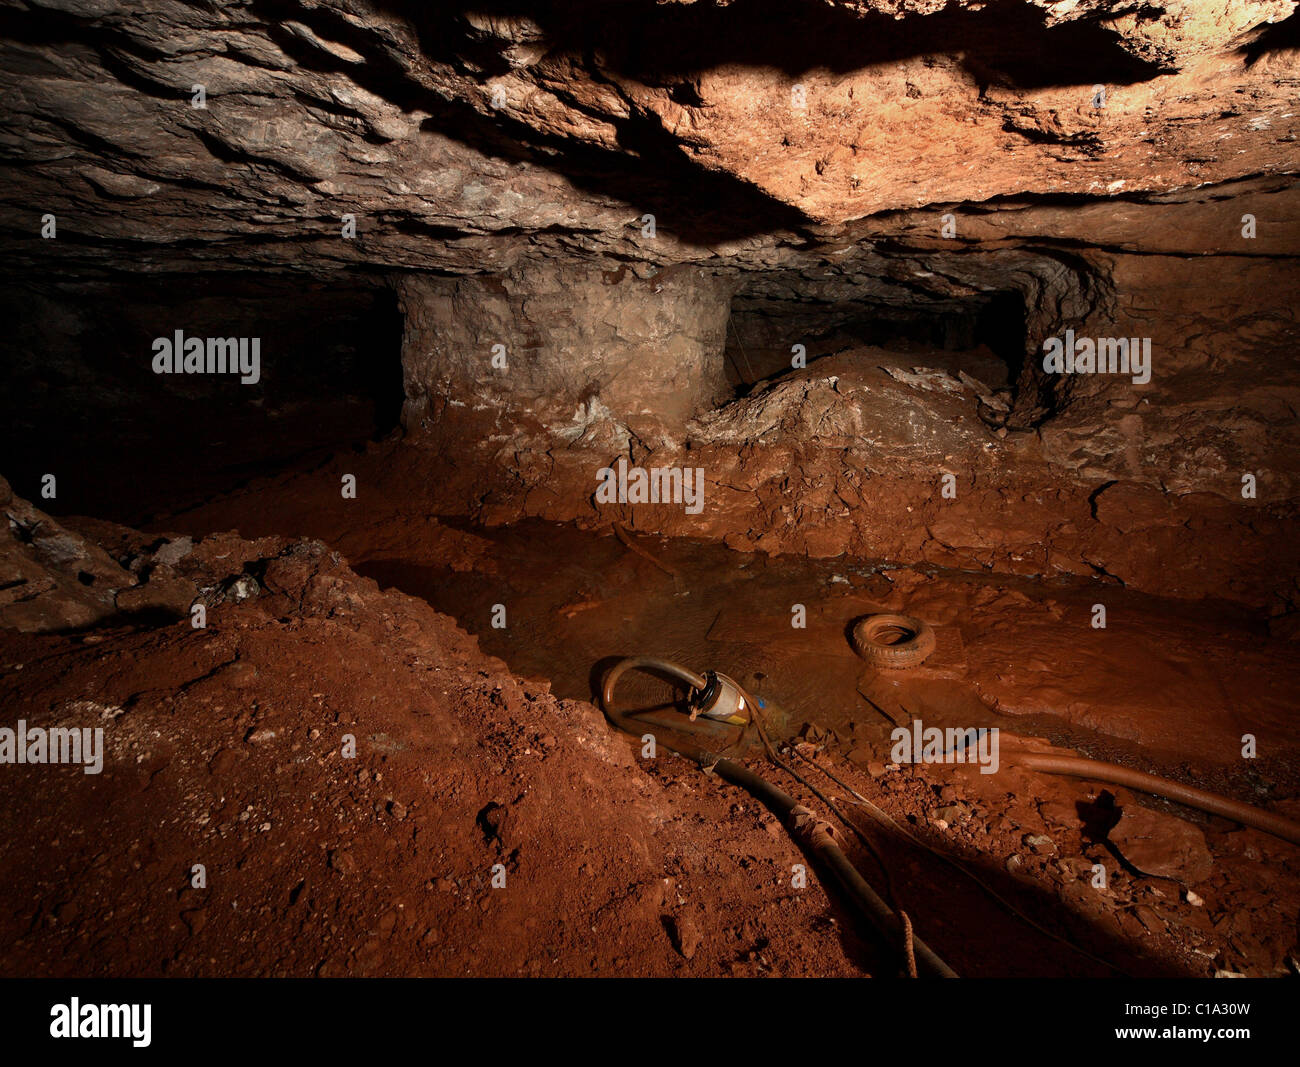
column 753, row 132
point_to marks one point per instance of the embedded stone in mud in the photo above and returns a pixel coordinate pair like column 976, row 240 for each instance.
column 1161, row 845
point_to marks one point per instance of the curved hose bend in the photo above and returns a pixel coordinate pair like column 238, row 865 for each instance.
column 1077, row 767
column 677, row 740
column 632, row 663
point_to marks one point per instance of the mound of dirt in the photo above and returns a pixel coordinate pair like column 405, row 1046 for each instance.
column 331, row 780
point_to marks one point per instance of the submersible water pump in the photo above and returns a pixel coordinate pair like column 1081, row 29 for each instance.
column 720, row 699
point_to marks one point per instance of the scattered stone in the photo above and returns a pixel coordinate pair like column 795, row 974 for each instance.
column 174, row 551
column 1060, row 812
column 686, row 935
column 343, row 861
column 244, row 587
column 166, row 592
column 51, row 579
column 1078, row 866
column 1041, row 844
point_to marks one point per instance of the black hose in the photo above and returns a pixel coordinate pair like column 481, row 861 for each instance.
column 664, row 666
column 799, row 820
column 807, row 828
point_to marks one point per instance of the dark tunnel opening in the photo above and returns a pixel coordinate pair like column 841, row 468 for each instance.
column 84, row 373
column 983, row 337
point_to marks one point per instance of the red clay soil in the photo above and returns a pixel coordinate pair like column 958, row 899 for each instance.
column 225, row 747
column 796, row 497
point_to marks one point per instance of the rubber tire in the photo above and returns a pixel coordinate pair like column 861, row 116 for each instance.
column 910, row 653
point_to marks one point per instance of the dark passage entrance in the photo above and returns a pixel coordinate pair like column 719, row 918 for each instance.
column 80, row 398
column 983, row 336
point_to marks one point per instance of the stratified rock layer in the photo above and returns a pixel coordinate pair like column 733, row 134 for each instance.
column 462, row 140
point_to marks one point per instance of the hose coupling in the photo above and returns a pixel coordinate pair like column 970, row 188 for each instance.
column 721, row 699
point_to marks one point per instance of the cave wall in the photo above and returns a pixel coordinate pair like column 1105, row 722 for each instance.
column 1074, row 474
column 593, row 201
column 79, row 396
column 583, row 350
column 1224, row 391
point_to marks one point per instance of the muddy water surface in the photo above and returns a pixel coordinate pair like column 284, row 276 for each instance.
column 1164, row 683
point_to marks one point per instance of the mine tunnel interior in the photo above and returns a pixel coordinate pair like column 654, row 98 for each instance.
column 881, row 367
column 329, row 376
column 899, row 379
